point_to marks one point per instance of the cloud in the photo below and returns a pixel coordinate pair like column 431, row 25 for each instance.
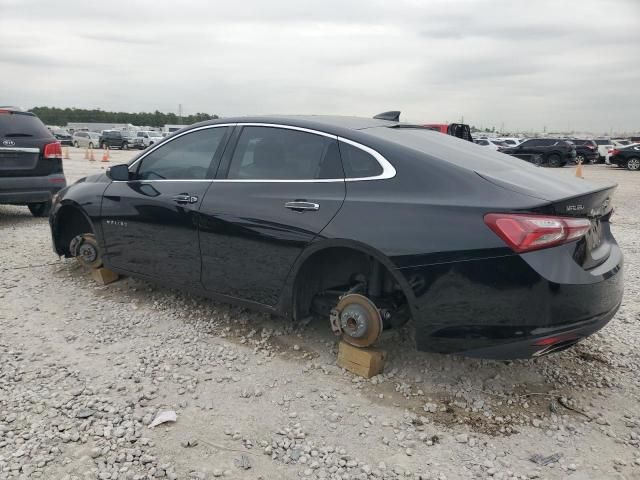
column 529, row 65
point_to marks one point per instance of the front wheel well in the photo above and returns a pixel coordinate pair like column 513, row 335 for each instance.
column 332, row 272
column 70, row 222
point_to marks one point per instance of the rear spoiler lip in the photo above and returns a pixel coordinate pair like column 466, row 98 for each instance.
column 505, row 185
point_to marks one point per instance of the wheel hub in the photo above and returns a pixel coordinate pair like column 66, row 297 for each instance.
column 85, row 248
column 353, row 320
column 87, row 252
column 357, row 319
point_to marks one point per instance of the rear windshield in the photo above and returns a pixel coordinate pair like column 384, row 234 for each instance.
column 22, row 125
column 603, row 142
column 450, row 149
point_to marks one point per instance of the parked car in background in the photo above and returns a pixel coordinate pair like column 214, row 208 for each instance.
column 63, row 137
column 30, row 162
column 83, row 139
column 510, row 141
column 604, row 145
column 460, row 130
column 113, row 139
column 552, row 152
column 586, row 150
column 492, row 143
column 488, row 256
column 146, row 138
column 628, row 157
column 621, row 142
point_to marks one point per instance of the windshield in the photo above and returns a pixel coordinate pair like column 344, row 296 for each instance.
column 603, row 142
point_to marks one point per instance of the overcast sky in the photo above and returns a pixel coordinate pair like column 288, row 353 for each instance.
column 560, row 64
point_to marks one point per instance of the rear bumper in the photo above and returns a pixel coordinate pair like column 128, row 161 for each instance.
column 589, row 156
column 544, row 341
column 24, row 190
column 513, row 306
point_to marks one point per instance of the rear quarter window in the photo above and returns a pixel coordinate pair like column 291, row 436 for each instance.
column 357, row 163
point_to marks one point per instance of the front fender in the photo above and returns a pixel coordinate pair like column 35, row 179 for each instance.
column 84, row 197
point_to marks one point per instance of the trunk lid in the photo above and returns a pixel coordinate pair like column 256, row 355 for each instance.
column 569, row 197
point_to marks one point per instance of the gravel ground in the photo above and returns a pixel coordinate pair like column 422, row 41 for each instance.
column 84, row 369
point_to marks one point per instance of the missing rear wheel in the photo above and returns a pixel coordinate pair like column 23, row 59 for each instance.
column 358, row 319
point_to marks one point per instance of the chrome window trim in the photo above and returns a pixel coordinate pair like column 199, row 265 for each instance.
column 388, row 170
column 20, row 149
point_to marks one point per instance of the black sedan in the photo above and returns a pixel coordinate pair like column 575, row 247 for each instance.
column 366, row 223
column 628, row 157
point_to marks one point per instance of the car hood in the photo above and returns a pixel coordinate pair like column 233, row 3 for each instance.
column 96, row 178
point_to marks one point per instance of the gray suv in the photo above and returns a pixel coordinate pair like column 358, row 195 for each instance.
column 30, row 162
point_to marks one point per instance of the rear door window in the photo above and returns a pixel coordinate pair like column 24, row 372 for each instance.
column 188, row 157
column 273, row 153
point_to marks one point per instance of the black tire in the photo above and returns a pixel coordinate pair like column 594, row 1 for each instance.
column 633, row 164
column 40, row 209
column 91, row 145
column 124, row 146
column 104, row 145
column 76, row 144
column 579, row 158
column 554, row 160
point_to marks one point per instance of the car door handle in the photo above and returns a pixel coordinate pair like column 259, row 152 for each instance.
column 299, row 205
column 185, row 198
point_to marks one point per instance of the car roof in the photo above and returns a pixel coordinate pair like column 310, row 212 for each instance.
column 318, row 122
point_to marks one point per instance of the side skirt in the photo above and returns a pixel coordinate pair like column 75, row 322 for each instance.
column 200, row 291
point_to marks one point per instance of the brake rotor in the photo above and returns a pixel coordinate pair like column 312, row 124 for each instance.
column 85, row 249
column 359, row 320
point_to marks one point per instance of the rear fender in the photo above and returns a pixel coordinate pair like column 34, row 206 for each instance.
column 285, row 306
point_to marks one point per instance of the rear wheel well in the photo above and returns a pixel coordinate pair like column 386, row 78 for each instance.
column 329, row 273
column 70, row 223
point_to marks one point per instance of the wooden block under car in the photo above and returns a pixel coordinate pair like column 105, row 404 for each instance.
column 366, row 362
column 104, row 276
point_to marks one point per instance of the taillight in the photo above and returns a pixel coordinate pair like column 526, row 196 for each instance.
column 615, row 151
column 53, row 150
column 524, row 232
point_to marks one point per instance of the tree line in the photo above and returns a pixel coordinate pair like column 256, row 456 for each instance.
column 62, row 116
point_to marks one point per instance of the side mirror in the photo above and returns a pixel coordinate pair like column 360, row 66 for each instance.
column 119, row 172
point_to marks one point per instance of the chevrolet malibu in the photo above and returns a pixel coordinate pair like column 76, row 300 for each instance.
column 365, row 223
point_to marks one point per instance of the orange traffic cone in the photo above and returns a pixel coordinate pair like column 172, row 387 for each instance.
column 86, row 154
column 105, row 155
column 91, row 157
column 579, row 169
column 66, row 153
